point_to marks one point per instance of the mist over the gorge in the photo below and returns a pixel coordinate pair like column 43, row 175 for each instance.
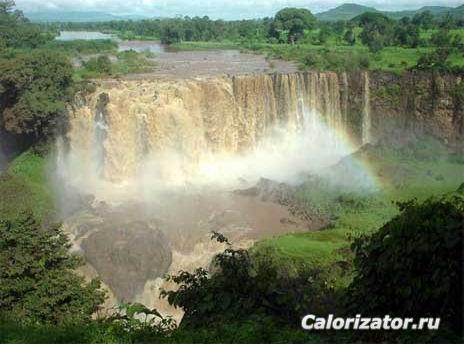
column 218, row 132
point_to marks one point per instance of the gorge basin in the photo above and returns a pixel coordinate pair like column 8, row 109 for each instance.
column 150, row 167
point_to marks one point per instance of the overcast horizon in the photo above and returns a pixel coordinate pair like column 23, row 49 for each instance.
column 226, row 9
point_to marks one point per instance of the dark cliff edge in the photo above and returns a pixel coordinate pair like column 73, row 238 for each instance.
column 418, row 103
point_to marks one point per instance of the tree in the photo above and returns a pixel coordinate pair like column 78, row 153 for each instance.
column 293, row 22
column 37, row 278
column 441, row 38
column 423, row 19
column 407, row 35
column 447, row 22
column 435, row 60
column 6, row 6
column 349, row 37
column 412, row 266
column 171, row 31
column 377, row 30
column 339, row 27
column 100, row 65
column 15, row 29
column 34, row 89
column 373, row 39
column 324, row 34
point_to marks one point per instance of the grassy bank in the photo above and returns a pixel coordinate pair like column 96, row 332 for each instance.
column 25, row 187
column 205, row 45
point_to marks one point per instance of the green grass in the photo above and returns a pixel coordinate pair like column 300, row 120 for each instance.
column 331, row 56
column 205, row 45
column 25, row 187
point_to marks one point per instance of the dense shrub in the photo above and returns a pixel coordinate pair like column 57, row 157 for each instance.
column 37, row 278
column 413, row 265
column 435, row 60
column 100, row 65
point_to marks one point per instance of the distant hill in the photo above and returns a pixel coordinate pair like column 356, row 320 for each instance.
column 349, row 11
column 458, row 12
column 76, row 16
column 344, row 12
column 434, row 10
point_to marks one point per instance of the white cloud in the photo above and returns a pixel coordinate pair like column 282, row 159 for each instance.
column 213, row 8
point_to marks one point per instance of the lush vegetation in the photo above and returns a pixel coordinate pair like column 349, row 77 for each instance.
column 35, row 83
column 370, row 40
column 35, row 87
column 125, row 62
column 37, row 279
column 413, row 265
column 372, row 258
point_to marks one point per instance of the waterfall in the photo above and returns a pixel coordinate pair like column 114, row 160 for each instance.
column 161, row 129
column 101, row 132
column 366, row 117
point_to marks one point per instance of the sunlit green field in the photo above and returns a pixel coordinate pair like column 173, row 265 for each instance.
column 26, row 186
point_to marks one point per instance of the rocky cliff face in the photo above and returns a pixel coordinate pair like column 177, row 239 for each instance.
column 113, row 129
column 418, row 103
column 116, row 127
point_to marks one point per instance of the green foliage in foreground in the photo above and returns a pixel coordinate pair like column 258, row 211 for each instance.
column 104, row 332
column 412, row 266
column 37, row 278
column 241, row 288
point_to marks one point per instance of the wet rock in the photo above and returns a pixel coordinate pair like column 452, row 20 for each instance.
column 268, row 190
column 126, row 256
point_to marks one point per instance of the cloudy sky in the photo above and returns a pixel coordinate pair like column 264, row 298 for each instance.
column 214, row 8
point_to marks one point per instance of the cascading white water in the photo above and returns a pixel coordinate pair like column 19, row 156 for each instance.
column 101, row 132
column 366, row 116
column 151, row 135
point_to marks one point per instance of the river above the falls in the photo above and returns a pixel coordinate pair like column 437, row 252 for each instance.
column 171, row 63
